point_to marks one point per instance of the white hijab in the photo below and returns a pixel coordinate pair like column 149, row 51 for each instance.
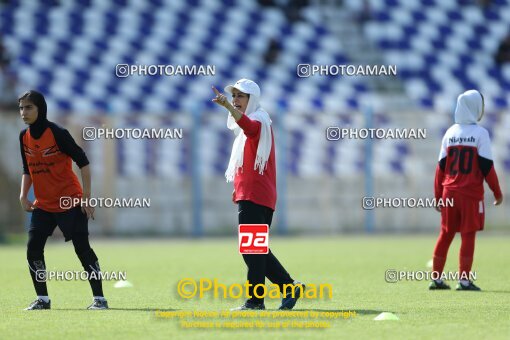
column 254, row 112
column 469, row 108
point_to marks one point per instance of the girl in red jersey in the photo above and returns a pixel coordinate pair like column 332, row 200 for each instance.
column 465, row 161
column 252, row 168
column 47, row 152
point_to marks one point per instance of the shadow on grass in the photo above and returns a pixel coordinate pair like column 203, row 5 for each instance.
column 125, row 309
column 496, row 291
column 358, row 311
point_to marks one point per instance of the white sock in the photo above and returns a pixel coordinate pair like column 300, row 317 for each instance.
column 45, row 298
column 100, row 298
column 438, row 281
column 465, row 283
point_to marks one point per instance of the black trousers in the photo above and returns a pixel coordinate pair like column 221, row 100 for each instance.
column 261, row 266
column 74, row 225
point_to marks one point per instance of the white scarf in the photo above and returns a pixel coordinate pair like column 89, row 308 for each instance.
column 254, row 112
column 469, row 109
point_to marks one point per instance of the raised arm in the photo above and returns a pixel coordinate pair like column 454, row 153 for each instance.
column 250, row 127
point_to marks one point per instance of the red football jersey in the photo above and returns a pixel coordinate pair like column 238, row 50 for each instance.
column 465, row 159
column 462, row 144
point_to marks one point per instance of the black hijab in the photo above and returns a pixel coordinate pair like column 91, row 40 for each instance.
column 37, row 128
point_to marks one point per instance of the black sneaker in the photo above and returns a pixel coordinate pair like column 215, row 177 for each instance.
column 471, row 286
column 437, row 285
column 39, row 304
column 98, row 304
column 288, row 302
column 250, row 306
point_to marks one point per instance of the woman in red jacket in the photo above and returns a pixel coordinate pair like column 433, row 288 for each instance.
column 252, row 168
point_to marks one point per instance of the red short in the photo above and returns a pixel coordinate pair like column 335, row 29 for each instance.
column 466, row 215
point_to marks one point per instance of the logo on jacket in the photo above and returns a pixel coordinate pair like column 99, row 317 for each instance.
column 52, row 150
column 28, row 151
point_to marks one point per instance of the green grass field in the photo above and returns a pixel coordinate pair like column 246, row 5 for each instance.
column 354, row 266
